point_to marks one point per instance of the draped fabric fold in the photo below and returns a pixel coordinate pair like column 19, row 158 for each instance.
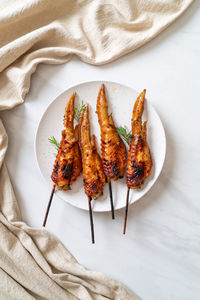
column 33, row 264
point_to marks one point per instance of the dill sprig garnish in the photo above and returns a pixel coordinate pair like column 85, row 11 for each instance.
column 78, row 110
column 125, row 133
column 54, row 142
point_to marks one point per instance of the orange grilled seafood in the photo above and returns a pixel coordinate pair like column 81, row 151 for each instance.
column 139, row 162
column 93, row 175
column 68, row 165
column 113, row 150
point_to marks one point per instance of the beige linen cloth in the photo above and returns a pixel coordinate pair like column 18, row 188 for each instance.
column 33, row 265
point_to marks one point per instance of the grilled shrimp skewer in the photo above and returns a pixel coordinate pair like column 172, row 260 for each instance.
column 139, row 162
column 67, row 166
column 113, row 150
column 93, row 175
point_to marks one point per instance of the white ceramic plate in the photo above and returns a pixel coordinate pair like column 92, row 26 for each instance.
column 121, row 100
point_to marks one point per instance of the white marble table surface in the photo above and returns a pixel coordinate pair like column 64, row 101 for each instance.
column 159, row 258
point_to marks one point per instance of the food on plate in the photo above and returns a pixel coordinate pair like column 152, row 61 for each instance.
column 68, row 164
column 93, row 175
column 139, row 162
column 72, row 159
column 113, row 150
column 78, row 111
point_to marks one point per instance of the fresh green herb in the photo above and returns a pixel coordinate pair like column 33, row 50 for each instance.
column 78, row 111
column 54, row 142
column 125, row 133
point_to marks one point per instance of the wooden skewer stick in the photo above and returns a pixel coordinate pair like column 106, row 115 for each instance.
column 111, row 199
column 49, row 204
column 126, row 210
column 91, row 219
